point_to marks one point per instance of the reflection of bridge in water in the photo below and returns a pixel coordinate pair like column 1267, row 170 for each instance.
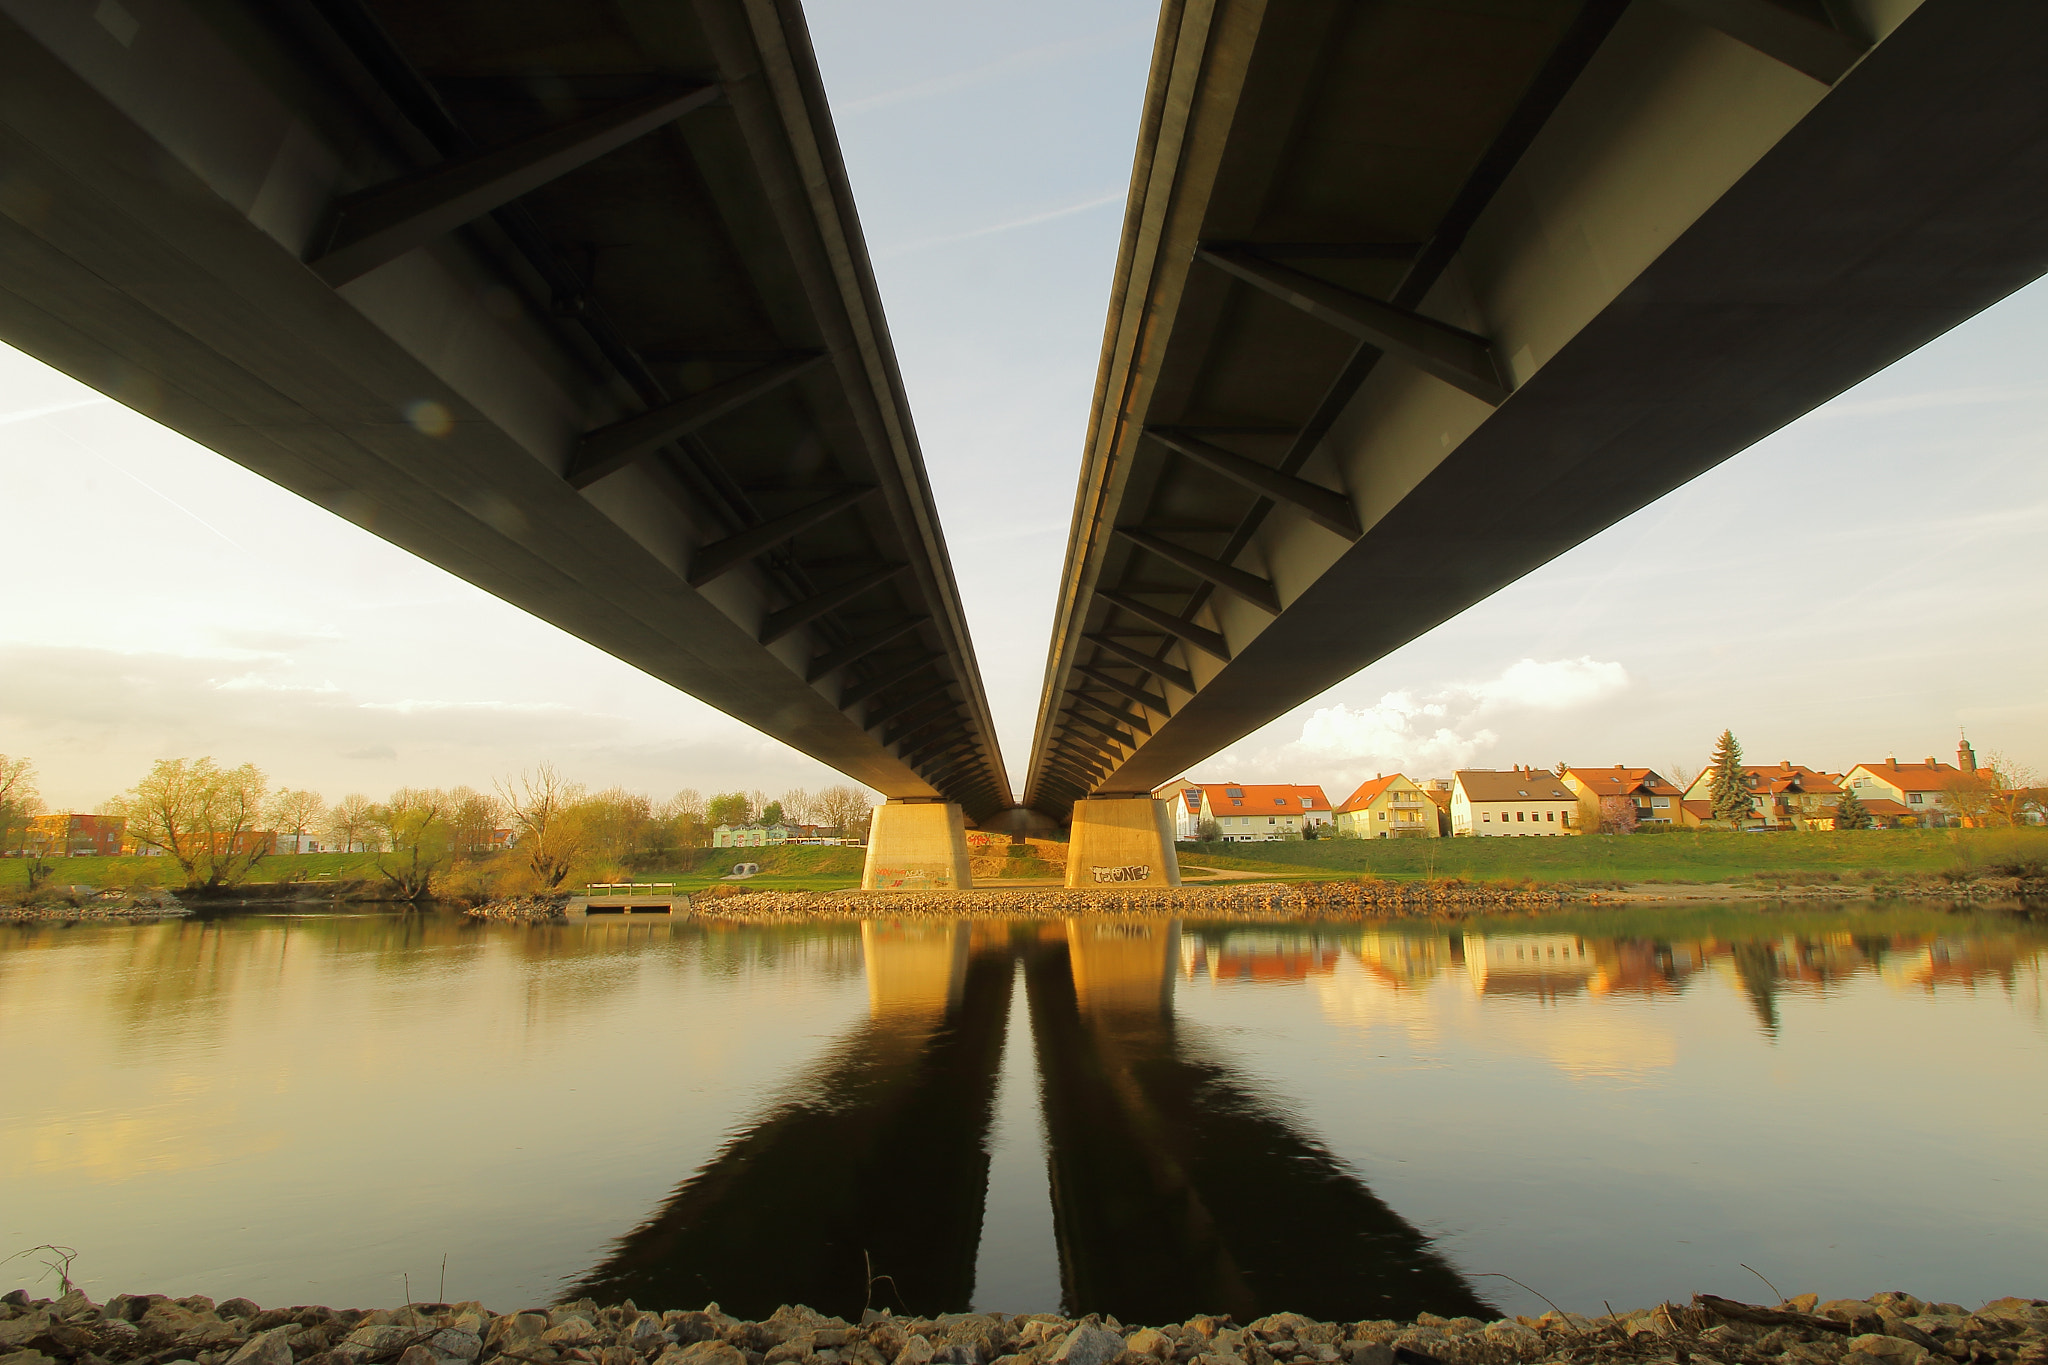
column 1176, row 1187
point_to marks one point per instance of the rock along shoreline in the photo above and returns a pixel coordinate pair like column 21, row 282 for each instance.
column 151, row 1329
column 98, row 905
column 1347, row 900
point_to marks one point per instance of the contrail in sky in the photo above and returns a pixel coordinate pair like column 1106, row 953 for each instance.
column 1113, row 197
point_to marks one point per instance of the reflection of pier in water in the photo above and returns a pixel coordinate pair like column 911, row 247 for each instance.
column 1176, row 1188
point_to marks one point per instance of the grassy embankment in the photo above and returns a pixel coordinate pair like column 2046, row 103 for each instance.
column 782, row 869
column 1694, row 856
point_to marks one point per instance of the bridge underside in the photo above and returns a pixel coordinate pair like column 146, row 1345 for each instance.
column 568, row 300
column 1413, row 297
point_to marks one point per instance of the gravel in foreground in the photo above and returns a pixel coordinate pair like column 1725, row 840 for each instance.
column 1233, row 900
column 1887, row 1329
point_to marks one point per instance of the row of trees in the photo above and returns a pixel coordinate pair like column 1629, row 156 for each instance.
column 217, row 823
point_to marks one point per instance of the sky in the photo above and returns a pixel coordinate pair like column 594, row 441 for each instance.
column 1867, row 581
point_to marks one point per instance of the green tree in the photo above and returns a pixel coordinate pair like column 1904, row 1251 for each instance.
column 1729, row 791
column 416, row 829
column 771, row 814
column 203, row 816
column 1849, row 812
column 729, row 808
column 1208, row 832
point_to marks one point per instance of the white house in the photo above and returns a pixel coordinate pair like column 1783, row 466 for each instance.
column 1519, row 801
column 1265, row 813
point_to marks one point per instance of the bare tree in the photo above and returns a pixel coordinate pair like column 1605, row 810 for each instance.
column 684, row 813
column 846, row 809
column 541, row 804
column 799, row 807
column 294, row 812
column 349, row 826
column 474, row 819
column 20, row 803
column 203, row 816
column 1999, row 794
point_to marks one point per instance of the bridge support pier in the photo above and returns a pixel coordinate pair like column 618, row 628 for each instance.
column 1121, row 841
column 917, row 846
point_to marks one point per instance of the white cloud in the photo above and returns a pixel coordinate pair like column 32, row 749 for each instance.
column 1398, row 730
column 1442, row 732
column 1554, row 686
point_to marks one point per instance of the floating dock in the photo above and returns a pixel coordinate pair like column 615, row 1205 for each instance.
column 635, row 900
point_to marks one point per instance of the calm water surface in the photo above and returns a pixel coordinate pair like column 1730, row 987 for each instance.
column 1150, row 1119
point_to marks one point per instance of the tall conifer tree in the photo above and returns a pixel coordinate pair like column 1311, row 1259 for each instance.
column 1849, row 812
column 1729, row 791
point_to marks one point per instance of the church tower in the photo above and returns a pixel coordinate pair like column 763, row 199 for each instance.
column 1966, row 757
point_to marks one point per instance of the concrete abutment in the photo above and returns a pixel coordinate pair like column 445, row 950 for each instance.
column 1121, row 841
column 917, row 846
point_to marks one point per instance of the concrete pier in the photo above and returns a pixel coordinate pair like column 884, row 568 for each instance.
column 1121, row 841
column 917, row 846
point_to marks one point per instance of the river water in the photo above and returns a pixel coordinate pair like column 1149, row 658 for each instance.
column 1145, row 1118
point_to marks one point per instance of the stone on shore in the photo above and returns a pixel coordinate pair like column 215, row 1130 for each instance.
column 152, row 1329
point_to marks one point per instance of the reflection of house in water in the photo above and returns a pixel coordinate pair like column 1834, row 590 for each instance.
column 1409, row 959
column 1258, row 955
column 1545, row 966
column 1176, row 1186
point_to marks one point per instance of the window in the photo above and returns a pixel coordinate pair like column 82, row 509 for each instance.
column 1551, row 816
column 1486, row 815
column 1308, row 803
column 1233, row 791
column 1660, row 803
column 1279, row 800
column 1914, row 798
column 1518, row 817
column 1383, row 815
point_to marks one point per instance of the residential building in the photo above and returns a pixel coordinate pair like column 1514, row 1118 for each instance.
column 753, row 836
column 1916, row 793
column 1258, row 814
column 1438, row 790
column 1184, row 804
column 1487, row 803
column 76, row 836
column 1391, row 806
column 297, row 843
column 1657, row 801
column 1787, row 796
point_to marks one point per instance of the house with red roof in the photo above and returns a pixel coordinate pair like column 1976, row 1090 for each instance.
column 1391, row 806
column 1785, row 796
column 1247, row 813
column 1656, row 800
column 1910, row 793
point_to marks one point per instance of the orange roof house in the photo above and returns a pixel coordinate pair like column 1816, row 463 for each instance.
column 1655, row 799
column 1391, row 806
column 1914, row 792
column 1257, row 813
column 1785, row 795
